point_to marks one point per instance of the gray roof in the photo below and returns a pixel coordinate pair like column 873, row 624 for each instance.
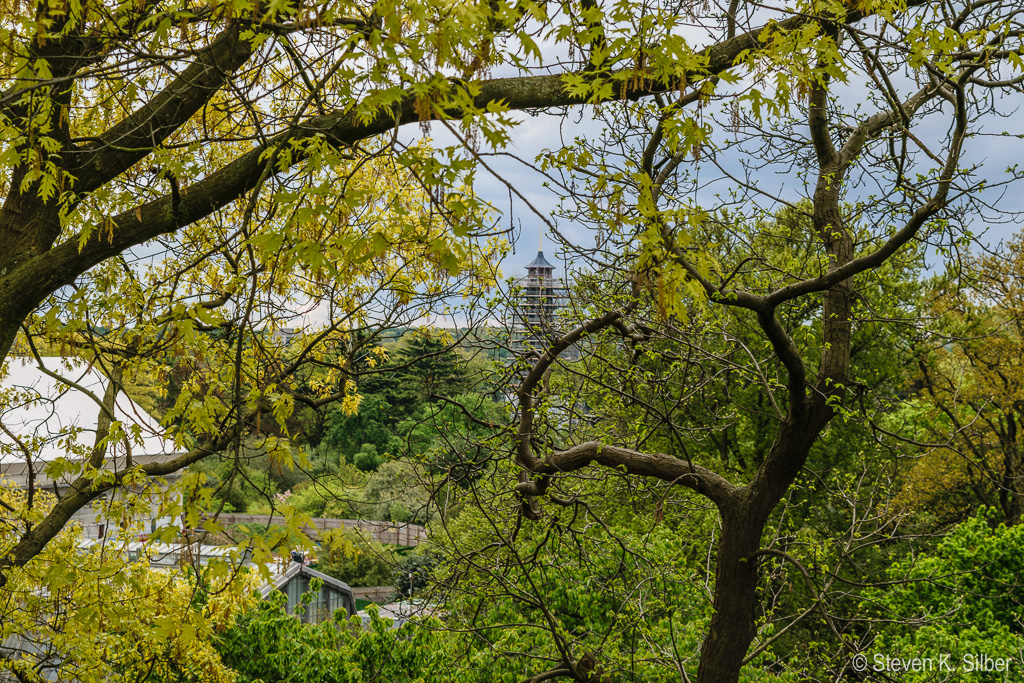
column 170, row 554
column 18, row 471
column 540, row 262
column 294, row 569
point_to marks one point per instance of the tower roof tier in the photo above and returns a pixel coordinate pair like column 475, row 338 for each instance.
column 540, row 263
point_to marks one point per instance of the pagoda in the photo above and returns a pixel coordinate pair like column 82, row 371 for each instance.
column 538, row 298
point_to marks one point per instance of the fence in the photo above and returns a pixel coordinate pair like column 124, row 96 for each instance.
column 377, row 594
column 384, row 532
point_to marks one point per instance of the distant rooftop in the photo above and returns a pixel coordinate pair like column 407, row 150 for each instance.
column 293, row 579
column 289, row 569
column 173, row 554
column 540, row 262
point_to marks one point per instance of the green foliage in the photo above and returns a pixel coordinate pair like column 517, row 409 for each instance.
column 971, row 383
column 964, row 598
column 414, row 571
column 357, row 561
column 107, row 616
column 432, row 367
column 398, row 491
column 247, row 480
column 400, row 401
column 335, row 494
column 455, row 439
column 373, row 425
column 607, row 577
column 267, row 644
column 286, row 193
column 366, row 458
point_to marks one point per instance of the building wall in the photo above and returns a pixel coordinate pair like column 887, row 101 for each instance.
column 325, row 604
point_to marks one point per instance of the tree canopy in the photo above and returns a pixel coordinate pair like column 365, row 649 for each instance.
column 231, row 192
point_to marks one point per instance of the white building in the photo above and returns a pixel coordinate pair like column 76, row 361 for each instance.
column 48, row 422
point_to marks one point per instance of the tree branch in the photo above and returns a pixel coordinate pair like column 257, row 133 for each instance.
column 903, row 235
column 138, row 134
column 85, row 489
column 32, row 280
column 657, row 465
column 548, row 675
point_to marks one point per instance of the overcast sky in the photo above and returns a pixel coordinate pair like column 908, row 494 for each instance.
column 993, row 150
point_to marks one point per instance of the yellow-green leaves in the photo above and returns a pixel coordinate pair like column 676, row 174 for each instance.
column 101, row 616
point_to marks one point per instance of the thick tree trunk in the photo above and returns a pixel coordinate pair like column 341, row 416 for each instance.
column 734, row 623
column 1011, row 492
